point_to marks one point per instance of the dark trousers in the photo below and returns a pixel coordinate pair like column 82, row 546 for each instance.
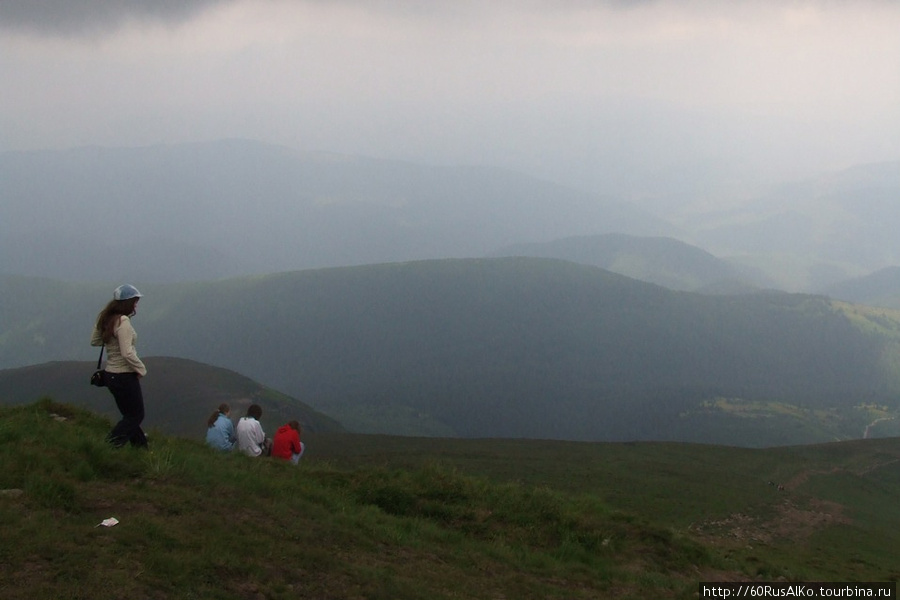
column 126, row 389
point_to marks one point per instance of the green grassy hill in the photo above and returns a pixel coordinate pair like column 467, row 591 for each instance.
column 515, row 347
column 179, row 395
column 409, row 518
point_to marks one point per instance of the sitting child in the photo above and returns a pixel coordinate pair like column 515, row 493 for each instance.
column 251, row 439
column 220, row 429
column 287, row 444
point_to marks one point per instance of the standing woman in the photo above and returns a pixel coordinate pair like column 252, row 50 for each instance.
column 123, row 367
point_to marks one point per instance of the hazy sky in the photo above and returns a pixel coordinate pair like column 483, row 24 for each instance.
column 596, row 93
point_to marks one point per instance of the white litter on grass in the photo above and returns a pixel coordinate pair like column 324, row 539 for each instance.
column 108, row 522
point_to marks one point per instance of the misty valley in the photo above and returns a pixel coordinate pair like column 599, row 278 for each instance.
column 386, row 297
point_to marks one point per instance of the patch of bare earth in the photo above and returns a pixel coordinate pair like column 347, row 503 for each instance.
column 794, row 520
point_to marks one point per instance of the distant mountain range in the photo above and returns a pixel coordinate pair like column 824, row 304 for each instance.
column 504, row 347
column 881, row 288
column 664, row 261
column 221, row 209
column 811, row 234
column 180, row 395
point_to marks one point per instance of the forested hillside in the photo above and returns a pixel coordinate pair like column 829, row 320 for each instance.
column 517, row 347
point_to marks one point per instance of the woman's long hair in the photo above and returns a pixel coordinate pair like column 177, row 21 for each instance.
column 224, row 409
column 109, row 317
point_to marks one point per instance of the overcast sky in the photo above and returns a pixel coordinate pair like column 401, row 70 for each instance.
column 595, row 93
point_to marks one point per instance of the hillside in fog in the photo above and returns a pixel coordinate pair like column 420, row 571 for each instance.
column 506, row 347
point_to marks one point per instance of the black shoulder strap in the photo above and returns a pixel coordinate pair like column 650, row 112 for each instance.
column 100, row 360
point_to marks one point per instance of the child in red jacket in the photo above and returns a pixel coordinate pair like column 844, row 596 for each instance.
column 287, row 444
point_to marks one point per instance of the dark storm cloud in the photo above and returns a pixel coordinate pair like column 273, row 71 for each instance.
column 91, row 17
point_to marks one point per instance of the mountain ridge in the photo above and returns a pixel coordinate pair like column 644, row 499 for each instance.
column 233, row 207
column 664, row 261
column 880, row 288
column 510, row 347
column 236, row 208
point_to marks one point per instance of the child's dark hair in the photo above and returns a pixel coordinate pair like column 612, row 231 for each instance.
column 255, row 411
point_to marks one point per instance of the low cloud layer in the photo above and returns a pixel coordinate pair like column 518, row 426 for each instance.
column 600, row 94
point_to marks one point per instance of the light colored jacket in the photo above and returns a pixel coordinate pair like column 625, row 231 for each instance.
column 221, row 435
column 121, row 355
column 250, row 436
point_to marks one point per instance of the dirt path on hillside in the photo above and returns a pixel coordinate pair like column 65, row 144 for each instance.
column 796, row 517
column 792, row 522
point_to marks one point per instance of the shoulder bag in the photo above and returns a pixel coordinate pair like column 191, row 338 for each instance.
column 99, row 377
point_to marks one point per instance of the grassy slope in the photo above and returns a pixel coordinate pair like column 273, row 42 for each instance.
column 383, row 517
